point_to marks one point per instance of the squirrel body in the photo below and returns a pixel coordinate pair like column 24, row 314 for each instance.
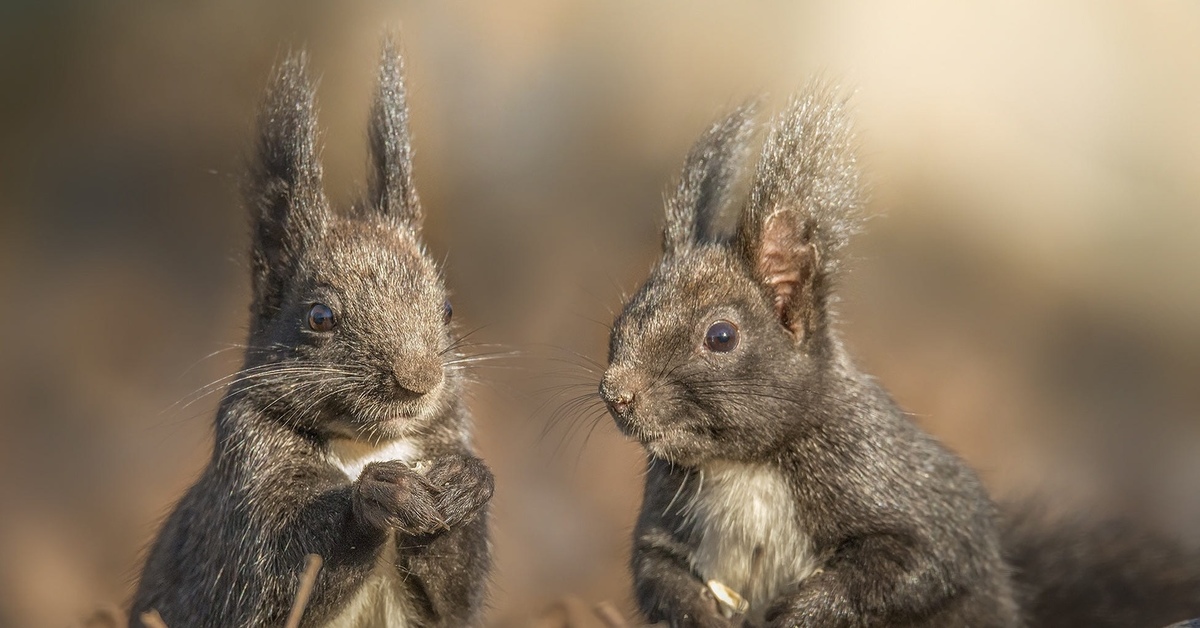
column 345, row 433
column 816, row 500
column 784, row 486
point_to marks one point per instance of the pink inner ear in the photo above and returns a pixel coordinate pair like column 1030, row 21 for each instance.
column 784, row 265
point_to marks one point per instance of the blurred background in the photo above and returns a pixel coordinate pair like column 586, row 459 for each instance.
column 1027, row 289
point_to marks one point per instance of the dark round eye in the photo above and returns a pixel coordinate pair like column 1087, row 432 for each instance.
column 447, row 312
column 320, row 318
column 721, row 337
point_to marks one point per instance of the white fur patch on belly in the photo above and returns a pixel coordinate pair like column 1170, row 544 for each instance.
column 740, row 510
column 352, row 455
column 382, row 599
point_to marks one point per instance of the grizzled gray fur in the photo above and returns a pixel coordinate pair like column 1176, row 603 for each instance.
column 780, row 472
column 776, row 468
column 344, row 434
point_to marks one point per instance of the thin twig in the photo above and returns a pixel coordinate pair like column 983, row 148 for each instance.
column 151, row 619
column 312, row 566
column 610, row 615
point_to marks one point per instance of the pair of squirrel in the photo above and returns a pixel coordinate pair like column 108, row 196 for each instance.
column 784, row 486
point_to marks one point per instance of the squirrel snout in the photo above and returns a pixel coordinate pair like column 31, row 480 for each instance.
column 617, row 400
column 619, row 405
column 417, row 377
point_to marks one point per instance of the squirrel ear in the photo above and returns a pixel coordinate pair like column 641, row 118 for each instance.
column 805, row 203
column 284, row 192
column 392, row 191
column 787, row 262
column 708, row 177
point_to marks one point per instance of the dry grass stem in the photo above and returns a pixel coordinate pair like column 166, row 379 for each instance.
column 312, row 566
column 151, row 619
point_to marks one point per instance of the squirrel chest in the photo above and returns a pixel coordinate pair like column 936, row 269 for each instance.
column 382, row 600
column 747, row 533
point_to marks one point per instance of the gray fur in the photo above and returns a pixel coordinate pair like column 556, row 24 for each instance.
column 391, row 187
column 405, row 541
column 808, row 174
column 707, row 181
column 883, row 526
column 879, row 525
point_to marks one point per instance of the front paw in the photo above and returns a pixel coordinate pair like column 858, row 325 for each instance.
column 801, row 613
column 464, row 486
column 391, row 495
column 779, row 616
column 820, row 602
column 701, row 620
column 697, row 609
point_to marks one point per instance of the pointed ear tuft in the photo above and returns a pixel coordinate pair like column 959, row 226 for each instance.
column 708, row 178
column 391, row 187
column 284, row 193
column 805, row 203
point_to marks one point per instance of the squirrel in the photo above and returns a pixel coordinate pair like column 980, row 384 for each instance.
column 345, row 433
column 785, row 487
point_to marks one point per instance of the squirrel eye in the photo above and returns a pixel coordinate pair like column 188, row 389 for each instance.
column 447, row 312
column 320, row 318
column 721, row 337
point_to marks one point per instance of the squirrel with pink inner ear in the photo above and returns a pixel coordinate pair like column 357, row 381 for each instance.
column 784, row 486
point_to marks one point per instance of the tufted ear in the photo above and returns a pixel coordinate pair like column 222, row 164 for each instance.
column 392, row 192
column 284, row 194
column 708, row 177
column 805, row 202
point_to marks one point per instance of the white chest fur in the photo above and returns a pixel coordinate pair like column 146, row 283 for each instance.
column 382, row 599
column 352, row 455
column 741, row 510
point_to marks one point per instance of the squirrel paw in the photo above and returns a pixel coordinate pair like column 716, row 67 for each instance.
column 391, row 495
column 700, row 610
column 463, row 485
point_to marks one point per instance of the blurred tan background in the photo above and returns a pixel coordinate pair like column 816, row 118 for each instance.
column 1029, row 291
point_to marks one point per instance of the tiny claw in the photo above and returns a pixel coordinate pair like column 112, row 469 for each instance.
column 732, row 603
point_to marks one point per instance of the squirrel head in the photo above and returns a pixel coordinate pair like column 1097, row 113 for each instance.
column 728, row 343
column 350, row 319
